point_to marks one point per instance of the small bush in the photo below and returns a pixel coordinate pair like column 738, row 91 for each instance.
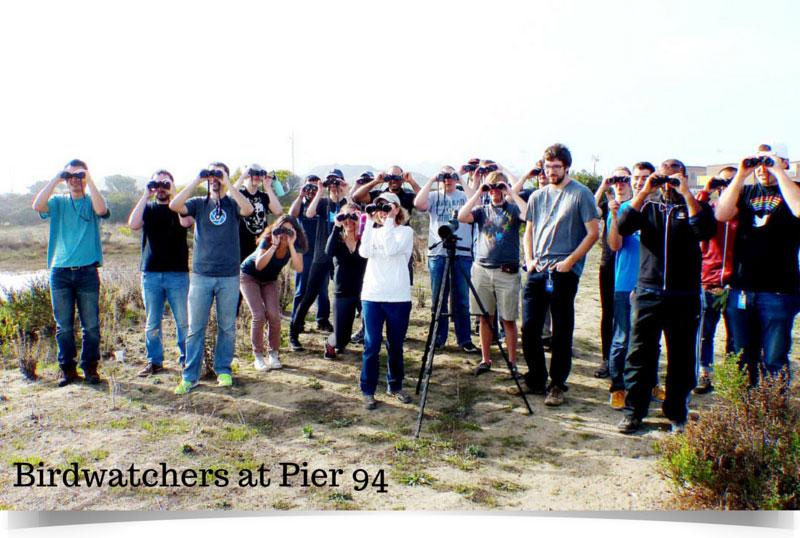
column 744, row 453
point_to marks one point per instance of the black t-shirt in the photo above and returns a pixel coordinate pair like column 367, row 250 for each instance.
column 163, row 240
column 250, row 227
column 309, row 226
column 273, row 268
column 767, row 242
column 326, row 216
column 608, row 256
column 406, row 198
column 348, row 267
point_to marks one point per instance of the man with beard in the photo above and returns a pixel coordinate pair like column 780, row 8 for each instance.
column 164, row 266
column 765, row 294
column 264, row 203
column 215, row 270
column 562, row 225
column 667, row 295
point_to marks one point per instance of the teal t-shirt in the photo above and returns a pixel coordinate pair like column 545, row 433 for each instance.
column 74, row 232
column 626, row 269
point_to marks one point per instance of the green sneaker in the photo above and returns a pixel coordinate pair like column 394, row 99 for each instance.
column 184, row 387
column 224, row 380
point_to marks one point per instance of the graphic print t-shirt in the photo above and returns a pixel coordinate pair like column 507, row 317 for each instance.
column 250, row 227
column 216, row 236
column 767, row 242
column 498, row 234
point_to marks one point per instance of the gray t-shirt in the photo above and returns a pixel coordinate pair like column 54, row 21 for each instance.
column 498, row 234
column 216, row 236
column 440, row 209
column 558, row 218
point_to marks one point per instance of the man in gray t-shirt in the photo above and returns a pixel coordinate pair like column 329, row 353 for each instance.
column 562, row 226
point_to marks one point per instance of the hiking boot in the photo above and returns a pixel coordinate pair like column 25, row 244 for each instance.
column 602, row 372
column 555, row 397
column 258, row 362
column 470, row 348
column 659, row 394
column 629, row 424
column 294, row 343
column 150, row 369
column 91, row 377
column 224, row 380
column 325, row 326
column 369, row 402
column 184, row 387
column 274, row 362
column 358, row 337
column 401, row 396
column 617, row 400
column 704, row 385
column 68, row 376
column 330, row 351
column 483, row 367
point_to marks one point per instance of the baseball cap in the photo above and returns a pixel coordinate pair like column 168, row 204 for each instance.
column 389, row 197
column 780, row 149
column 335, row 173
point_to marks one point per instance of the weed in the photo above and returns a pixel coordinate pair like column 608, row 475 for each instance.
column 507, row 486
column 308, row 431
column 475, row 451
column 314, row 383
column 238, row 434
column 417, row 478
column 283, row 505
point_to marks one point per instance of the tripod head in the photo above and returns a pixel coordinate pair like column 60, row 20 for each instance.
column 447, row 232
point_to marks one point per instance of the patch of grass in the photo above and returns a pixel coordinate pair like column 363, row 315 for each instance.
column 379, row 437
column 463, row 462
column 238, row 434
column 33, row 460
column 587, row 436
column 121, row 423
column 416, row 478
column 314, row 383
column 283, row 505
column 475, row 451
column 343, row 422
column 99, row 454
column 164, row 426
column 342, row 501
column 512, row 441
column 507, row 486
column 476, row 495
column 308, row 431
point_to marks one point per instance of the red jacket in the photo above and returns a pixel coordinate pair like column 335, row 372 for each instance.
column 713, row 275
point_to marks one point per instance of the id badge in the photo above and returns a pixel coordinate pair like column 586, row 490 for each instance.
column 548, row 284
column 741, row 303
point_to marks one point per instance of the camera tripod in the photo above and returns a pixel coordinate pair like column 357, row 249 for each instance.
column 451, row 273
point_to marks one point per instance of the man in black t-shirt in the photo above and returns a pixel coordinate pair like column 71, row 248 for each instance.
column 765, row 285
column 264, row 203
column 164, row 266
column 394, row 178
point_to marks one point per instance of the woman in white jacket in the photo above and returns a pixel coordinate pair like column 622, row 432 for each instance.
column 386, row 294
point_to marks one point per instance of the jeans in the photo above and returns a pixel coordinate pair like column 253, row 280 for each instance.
column 619, row 343
column 458, row 295
column 762, row 330
column 319, row 275
column 708, row 326
column 70, row 288
column 677, row 315
column 395, row 316
column 157, row 289
column 300, row 285
column 561, row 302
column 202, row 292
column 262, row 299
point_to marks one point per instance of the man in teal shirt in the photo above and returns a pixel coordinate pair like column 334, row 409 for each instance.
column 73, row 256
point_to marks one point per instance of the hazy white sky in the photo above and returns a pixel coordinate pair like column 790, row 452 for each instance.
column 132, row 86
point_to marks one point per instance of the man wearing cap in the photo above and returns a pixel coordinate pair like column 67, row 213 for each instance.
column 298, row 211
column 324, row 207
column 394, row 179
column 765, row 286
column 73, row 255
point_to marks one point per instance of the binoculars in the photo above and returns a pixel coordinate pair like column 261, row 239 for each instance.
column 372, row 208
column 346, row 216
column 444, row 176
column 211, row 173
column 66, row 176
column 153, row 185
column 499, row 186
column 618, row 179
column 277, row 232
column 332, row 181
column 718, row 183
column 488, row 168
column 308, row 187
column 752, row 162
column 257, row 173
column 658, row 181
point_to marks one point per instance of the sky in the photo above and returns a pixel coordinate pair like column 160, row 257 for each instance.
column 130, row 87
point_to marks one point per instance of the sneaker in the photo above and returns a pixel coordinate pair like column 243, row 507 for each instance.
column 358, row 337
column 617, row 400
column 677, row 427
column 68, row 376
column 704, row 385
column 224, row 380
column 555, row 397
column 295, row 344
column 470, row 348
column 629, row 424
column 258, row 362
column 515, row 372
column 369, row 402
column 184, row 387
column 91, row 377
column 659, row 394
column 401, row 396
column 602, row 372
column 325, row 326
column 274, row 363
column 150, row 369
column 330, row 351
column 483, row 367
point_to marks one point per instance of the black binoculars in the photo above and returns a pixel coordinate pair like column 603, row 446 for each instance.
column 66, row 176
column 372, row 208
column 211, row 173
column 332, row 181
column 499, row 186
column 657, row 181
column 346, row 216
column 153, row 185
column 718, row 183
column 618, row 179
column 752, row 162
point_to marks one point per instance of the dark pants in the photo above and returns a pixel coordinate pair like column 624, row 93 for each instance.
column 300, row 285
column 708, row 326
column 395, row 316
column 762, row 330
column 318, row 276
column 677, row 315
column 619, row 344
column 606, row 308
column 344, row 312
column 561, row 302
column 71, row 288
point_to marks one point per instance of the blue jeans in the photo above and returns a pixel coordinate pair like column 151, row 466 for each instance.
column 708, row 326
column 762, row 330
column 619, row 341
column 300, row 283
column 396, row 316
column 157, row 289
column 459, row 297
column 202, row 291
column 70, row 288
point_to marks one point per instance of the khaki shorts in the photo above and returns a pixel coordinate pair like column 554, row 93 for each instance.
column 497, row 291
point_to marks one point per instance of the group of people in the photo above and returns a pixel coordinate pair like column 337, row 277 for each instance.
column 673, row 262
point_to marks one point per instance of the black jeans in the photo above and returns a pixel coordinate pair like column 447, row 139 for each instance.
column 561, row 302
column 606, row 308
column 318, row 275
column 677, row 315
column 344, row 312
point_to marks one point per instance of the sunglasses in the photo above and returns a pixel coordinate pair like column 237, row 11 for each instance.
column 443, row 176
column 153, row 185
column 488, row 168
column 211, row 173
column 493, row 187
column 372, row 208
column 66, row 176
column 257, row 173
column 393, row 177
column 346, row 216
column 618, row 179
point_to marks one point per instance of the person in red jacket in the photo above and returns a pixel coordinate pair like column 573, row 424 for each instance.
column 715, row 278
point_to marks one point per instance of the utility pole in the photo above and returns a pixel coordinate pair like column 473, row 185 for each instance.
column 292, row 140
column 595, row 160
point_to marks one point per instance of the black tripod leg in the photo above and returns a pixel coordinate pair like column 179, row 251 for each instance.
column 496, row 340
column 433, row 328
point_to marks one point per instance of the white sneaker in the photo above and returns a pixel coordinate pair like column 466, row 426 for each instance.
column 259, row 363
column 274, row 363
